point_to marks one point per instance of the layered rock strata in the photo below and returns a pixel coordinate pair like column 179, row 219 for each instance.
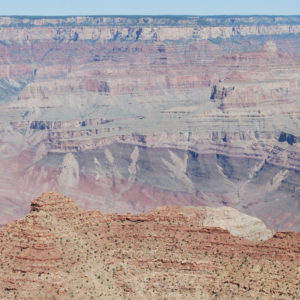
column 59, row 251
column 131, row 113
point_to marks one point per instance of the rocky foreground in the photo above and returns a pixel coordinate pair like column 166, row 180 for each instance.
column 59, row 251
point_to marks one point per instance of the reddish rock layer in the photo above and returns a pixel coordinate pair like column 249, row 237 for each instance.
column 60, row 251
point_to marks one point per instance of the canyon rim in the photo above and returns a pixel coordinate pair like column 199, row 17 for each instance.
column 60, row 251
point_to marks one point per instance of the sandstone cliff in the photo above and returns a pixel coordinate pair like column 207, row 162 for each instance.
column 59, row 251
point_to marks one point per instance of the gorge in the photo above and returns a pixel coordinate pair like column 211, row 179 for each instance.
column 131, row 113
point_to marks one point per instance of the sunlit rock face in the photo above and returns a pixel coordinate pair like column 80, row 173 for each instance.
column 61, row 251
column 127, row 114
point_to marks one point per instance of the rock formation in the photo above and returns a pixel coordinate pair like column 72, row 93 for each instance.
column 130, row 113
column 60, row 251
column 227, row 218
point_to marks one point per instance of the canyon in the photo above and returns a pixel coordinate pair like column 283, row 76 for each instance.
column 60, row 251
column 126, row 114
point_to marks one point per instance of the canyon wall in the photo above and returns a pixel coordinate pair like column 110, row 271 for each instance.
column 129, row 113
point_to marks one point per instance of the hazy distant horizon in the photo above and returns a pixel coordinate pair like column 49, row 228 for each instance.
column 60, row 8
column 145, row 15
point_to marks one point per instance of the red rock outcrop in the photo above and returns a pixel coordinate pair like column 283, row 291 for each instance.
column 61, row 251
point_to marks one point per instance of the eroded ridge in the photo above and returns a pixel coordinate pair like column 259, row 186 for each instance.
column 59, row 251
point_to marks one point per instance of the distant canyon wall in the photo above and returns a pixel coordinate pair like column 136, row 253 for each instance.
column 129, row 113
